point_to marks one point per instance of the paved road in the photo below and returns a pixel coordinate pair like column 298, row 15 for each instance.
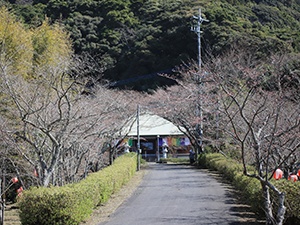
column 178, row 194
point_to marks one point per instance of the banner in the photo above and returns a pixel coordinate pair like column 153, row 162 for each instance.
column 172, row 141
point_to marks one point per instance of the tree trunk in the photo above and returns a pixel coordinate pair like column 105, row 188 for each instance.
column 1, row 205
column 47, row 174
column 268, row 206
column 281, row 208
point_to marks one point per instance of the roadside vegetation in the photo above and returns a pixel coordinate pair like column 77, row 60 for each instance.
column 74, row 203
column 175, row 160
column 249, row 189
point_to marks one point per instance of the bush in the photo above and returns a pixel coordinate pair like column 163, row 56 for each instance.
column 73, row 203
column 292, row 192
column 250, row 188
column 176, row 160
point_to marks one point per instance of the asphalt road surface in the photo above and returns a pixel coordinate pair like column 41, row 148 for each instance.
column 179, row 194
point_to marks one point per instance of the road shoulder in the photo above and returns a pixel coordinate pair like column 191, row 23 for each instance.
column 103, row 212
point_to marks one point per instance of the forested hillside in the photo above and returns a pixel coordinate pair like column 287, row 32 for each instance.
column 130, row 38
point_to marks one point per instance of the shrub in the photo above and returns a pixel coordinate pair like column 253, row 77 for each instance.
column 292, row 192
column 67, row 205
column 250, row 188
column 73, row 203
column 176, row 160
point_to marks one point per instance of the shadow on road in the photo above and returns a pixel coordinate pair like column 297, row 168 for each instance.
column 238, row 207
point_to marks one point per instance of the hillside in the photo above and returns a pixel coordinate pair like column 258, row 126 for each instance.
column 129, row 38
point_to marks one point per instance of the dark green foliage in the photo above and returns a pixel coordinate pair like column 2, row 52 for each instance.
column 136, row 37
column 264, row 28
column 292, row 190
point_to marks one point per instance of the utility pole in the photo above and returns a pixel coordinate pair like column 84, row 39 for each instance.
column 138, row 138
column 199, row 127
column 158, row 155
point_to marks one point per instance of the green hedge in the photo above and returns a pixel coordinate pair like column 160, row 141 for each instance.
column 250, row 187
column 175, row 160
column 292, row 194
column 72, row 204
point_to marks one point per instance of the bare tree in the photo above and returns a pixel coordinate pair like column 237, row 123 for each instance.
column 262, row 118
column 252, row 105
column 59, row 131
column 181, row 104
column 57, row 123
